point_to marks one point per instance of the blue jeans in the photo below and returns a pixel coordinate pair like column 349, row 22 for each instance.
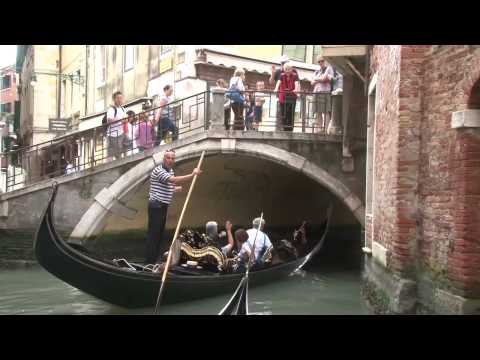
column 166, row 124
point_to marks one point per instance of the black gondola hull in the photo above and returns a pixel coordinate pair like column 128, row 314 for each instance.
column 137, row 289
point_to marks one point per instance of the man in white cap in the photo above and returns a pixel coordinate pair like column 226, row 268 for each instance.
column 262, row 242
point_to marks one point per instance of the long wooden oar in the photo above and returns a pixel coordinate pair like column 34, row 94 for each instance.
column 238, row 303
column 165, row 270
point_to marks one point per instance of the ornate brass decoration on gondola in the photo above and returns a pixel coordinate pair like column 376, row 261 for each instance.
column 207, row 255
column 200, row 248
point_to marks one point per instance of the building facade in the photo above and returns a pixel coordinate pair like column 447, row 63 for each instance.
column 139, row 71
column 8, row 89
column 423, row 178
column 8, row 104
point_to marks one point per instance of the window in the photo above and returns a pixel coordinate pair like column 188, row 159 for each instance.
column 63, row 89
column 6, row 108
column 128, row 57
column 6, row 82
column 153, row 59
column 101, row 64
column 165, row 49
column 295, row 52
column 181, row 57
column 317, row 50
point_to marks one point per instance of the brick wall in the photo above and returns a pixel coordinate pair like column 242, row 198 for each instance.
column 383, row 60
column 450, row 168
column 427, row 175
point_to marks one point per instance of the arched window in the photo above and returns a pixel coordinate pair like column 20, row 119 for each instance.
column 474, row 99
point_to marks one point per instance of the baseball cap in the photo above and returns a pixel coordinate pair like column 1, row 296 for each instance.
column 284, row 59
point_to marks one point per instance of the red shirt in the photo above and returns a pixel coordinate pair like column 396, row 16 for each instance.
column 287, row 85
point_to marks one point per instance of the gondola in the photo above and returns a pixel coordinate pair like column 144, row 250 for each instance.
column 130, row 288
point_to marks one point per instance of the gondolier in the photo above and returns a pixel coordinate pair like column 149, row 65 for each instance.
column 162, row 186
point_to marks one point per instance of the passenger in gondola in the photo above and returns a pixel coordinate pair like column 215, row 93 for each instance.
column 261, row 241
column 236, row 242
column 214, row 237
column 244, row 241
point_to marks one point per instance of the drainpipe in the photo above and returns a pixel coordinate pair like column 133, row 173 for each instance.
column 87, row 53
column 59, row 81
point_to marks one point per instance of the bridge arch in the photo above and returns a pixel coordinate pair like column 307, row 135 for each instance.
column 110, row 199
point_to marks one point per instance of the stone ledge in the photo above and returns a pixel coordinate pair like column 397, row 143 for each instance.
column 401, row 292
column 446, row 303
column 466, row 119
column 17, row 264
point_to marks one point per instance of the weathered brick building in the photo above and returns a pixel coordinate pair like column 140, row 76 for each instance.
column 423, row 178
column 8, row 89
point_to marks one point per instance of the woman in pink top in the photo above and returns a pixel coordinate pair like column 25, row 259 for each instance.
column 143, row 132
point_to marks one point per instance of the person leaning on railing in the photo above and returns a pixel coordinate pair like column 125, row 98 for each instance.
column 321, row 82
column 235, row 91
column 164, row 116
column 259, row 103
column 115, row 134
column 274, row 77
column 143, row 131
column 287, row 87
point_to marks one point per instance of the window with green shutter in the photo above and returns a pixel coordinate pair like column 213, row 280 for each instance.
column 295, row 52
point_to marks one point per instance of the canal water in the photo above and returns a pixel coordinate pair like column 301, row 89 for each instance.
column 330, row 285
column 317, row 290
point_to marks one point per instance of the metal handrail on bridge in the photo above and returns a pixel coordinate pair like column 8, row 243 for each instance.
column 89, row 148
column 262, row 111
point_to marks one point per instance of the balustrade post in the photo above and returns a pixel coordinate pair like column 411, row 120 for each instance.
column 94, row 141
column 217, row 111
column 303, row 110
column 336, row 114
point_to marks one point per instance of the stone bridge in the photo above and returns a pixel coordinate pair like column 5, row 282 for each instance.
column 245, row 172
column 87, row 198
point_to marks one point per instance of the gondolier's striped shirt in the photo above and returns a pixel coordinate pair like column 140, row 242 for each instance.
column 160, row 189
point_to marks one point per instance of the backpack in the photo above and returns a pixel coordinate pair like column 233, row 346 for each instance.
column 104, row 119
column 234, row 94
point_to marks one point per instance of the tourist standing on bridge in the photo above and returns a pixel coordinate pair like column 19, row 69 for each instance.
column 322, row 86
column 164, row 116
column 162, row 186
column 287, row 87
column 234, row 93
column 116, row 137
column 274, row 77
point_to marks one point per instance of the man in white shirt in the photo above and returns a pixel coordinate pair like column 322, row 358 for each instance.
column 322, row 85
column 117, row 139
column 262, row 243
